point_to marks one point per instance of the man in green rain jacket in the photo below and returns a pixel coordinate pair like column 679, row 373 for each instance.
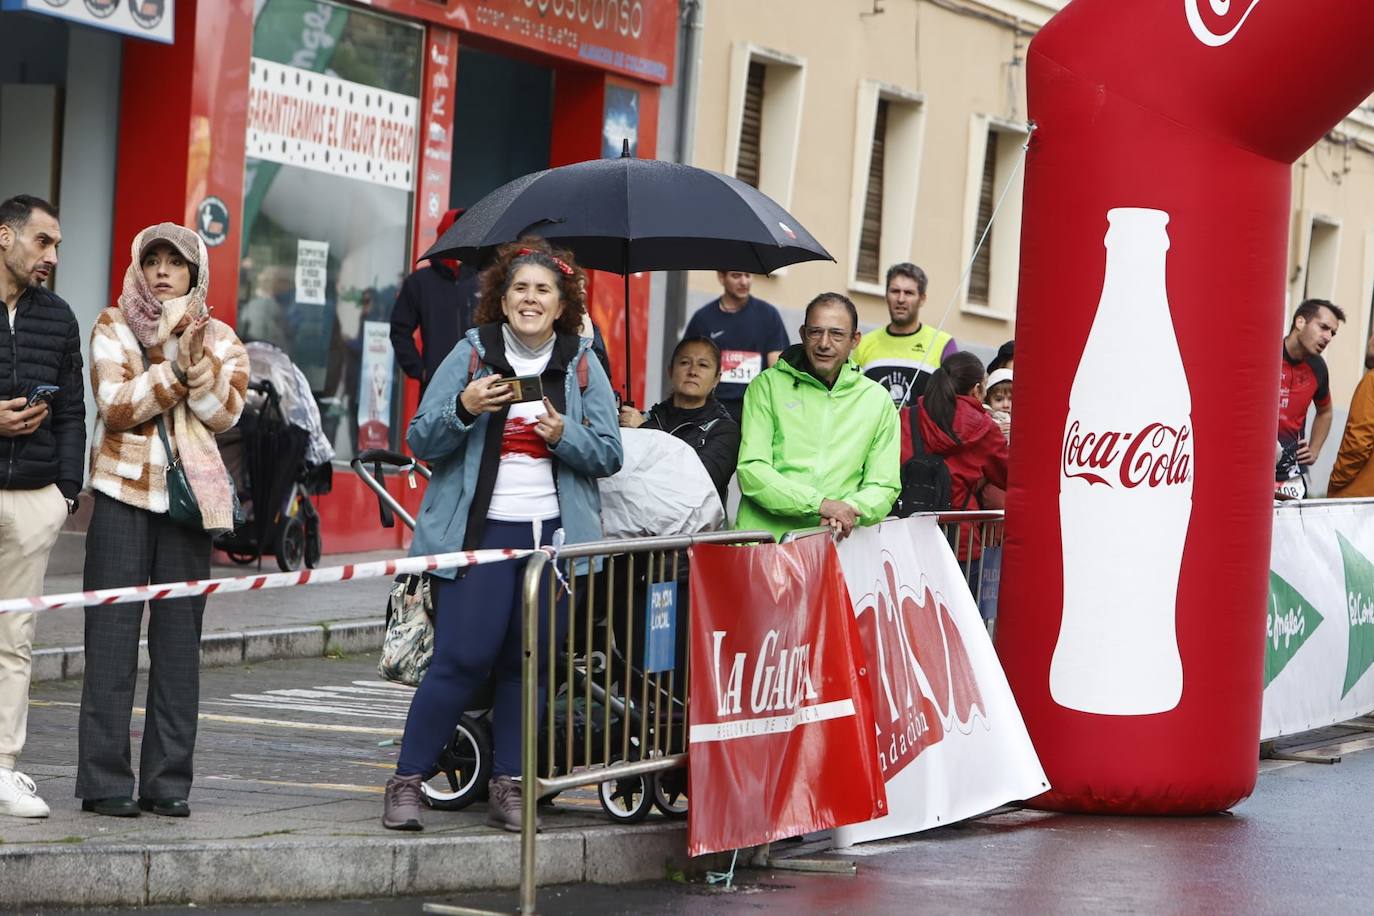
column 820, row 441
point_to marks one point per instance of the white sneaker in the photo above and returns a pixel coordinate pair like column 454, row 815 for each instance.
column 19, row 796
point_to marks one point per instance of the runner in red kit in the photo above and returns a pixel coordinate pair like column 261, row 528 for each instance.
column 1303, row 381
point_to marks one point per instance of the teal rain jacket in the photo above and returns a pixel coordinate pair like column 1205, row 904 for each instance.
column 590, row 448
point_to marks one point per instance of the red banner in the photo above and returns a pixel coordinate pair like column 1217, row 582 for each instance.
column 782, row 720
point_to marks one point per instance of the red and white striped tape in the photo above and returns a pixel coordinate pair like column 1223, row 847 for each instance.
column 352, row 571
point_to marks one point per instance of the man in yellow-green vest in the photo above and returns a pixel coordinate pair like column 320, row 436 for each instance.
column 901, row 356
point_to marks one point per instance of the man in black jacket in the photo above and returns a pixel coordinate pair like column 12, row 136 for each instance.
column 42, row 453
column 439, row 300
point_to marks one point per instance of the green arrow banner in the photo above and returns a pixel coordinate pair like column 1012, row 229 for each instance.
column 1359, row 606
column 1291, row 620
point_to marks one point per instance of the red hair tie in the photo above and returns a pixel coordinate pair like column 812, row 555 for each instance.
column 563, row 266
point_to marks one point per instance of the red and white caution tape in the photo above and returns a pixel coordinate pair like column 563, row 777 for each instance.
column 352, row 571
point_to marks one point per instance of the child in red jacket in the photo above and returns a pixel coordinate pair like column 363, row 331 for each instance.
column 998, row 402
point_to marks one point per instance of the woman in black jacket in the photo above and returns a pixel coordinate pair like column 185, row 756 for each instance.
column 692, row 412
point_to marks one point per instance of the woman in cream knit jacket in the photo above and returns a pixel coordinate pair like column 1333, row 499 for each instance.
column 156, row 356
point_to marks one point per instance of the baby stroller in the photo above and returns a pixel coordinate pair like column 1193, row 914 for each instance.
column 278, row 458
column 610, row 717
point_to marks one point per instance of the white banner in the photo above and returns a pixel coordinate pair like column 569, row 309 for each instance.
column 951, row 742
column 307, row 119
column 151, row 19
column 1319, row 631
column 374, row 386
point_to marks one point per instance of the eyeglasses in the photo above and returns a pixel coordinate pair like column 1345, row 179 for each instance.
column 836, row 335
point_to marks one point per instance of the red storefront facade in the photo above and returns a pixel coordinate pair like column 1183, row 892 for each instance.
column 204, row 138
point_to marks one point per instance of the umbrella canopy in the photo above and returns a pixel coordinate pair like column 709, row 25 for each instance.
column 629, row 215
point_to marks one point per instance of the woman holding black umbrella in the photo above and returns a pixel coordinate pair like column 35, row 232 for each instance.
column 509, row 469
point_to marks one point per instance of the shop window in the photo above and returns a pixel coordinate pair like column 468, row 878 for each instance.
column 887, row 163
column 994, row 169
column 331, row 143
column 764, row 119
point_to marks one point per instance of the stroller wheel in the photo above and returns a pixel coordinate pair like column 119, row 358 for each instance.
column 627, row 800
column 313, row 548
column 464, row 766
column 290, row 546
column 670, row 793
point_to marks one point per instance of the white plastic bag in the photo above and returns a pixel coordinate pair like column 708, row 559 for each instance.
column 661, row 489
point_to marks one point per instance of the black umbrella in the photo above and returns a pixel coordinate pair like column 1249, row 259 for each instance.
column 629, row 215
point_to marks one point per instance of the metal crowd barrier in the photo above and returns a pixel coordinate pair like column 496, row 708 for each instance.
column 606, row 722
column 969, row 533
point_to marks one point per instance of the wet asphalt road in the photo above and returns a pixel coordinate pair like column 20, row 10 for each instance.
column 1302, row 844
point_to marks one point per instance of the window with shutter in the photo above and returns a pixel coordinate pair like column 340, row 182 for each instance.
column 1322, row 257
column 751, row 131
column 981, row 276
column 871, row 229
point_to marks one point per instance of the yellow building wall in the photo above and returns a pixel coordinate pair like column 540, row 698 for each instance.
column 961, row 65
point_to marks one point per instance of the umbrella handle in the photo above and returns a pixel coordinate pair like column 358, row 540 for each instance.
column 629, row 387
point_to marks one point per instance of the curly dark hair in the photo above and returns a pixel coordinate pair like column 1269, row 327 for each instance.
column 496, row 280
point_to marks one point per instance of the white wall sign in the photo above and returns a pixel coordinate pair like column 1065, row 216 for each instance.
column 150, row 19
column 307, row 119
column 312, row 270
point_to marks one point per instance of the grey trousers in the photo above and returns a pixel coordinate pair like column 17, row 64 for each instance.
column 130, row 546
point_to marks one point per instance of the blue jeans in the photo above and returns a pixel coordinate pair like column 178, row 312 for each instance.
column 478, row 639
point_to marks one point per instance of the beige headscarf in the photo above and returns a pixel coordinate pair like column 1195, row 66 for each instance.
column 153, row 323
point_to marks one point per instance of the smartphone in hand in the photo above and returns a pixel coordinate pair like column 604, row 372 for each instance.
column 526, row 387
column 43, row 394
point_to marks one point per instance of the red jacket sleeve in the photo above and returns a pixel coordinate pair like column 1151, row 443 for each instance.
column 995, row 458
column 904, row 431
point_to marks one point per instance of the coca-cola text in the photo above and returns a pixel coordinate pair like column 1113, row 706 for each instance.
column 1158, row 455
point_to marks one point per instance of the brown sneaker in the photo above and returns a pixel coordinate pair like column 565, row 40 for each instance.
column 504, row 804
column 401, row 805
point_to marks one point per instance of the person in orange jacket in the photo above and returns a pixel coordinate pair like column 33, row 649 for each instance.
column 1353, row 473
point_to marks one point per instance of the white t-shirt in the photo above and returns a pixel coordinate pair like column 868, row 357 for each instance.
column 524, row 490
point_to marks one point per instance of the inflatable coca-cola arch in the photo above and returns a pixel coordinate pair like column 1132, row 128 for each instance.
column 1154, row 249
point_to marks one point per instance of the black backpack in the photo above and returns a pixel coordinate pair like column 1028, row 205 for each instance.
column 926, row 482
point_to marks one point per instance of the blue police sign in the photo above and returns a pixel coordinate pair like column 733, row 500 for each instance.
column 660, row 623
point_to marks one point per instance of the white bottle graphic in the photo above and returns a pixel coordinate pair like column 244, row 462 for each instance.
column 1125, row 488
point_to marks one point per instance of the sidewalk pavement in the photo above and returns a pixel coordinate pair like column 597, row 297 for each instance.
column 287, row 806
column 300, row 622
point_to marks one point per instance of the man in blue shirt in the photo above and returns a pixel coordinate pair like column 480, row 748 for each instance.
column 749, row 332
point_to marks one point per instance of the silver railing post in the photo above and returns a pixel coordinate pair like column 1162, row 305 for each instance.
column 529, row 729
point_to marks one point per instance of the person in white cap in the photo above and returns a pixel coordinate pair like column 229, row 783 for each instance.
column 997, row 399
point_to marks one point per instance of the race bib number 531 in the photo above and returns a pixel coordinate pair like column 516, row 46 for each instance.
column 740, row 366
